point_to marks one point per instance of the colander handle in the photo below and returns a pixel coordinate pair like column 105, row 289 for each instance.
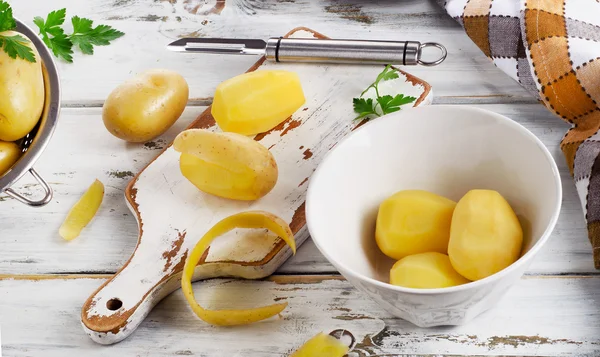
column 44, row 201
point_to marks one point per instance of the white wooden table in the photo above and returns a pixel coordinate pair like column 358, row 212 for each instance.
column 552, row 311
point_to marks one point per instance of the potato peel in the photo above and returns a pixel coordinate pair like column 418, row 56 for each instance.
column 250, row 219
column 82, row 212
column 322, row 345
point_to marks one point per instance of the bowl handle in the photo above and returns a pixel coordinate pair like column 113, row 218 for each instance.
column 44, row 201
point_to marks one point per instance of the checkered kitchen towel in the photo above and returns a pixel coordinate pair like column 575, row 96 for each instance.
column 552, row 48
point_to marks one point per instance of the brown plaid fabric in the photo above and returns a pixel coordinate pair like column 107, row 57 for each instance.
column 552, row 48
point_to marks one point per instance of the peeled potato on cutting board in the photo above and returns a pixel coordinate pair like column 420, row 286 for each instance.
column 227, row 165
column 256, row 102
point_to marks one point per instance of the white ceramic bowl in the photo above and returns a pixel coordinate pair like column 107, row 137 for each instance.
column 448, row 150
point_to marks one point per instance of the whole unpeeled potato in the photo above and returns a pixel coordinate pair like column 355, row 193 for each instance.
column 21, row 93
column 146, row 105
column 9, row 154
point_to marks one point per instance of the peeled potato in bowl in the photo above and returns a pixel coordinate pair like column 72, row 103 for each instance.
column 486, row 235
column 146, row 105
column 413, row 221
column 430, row 270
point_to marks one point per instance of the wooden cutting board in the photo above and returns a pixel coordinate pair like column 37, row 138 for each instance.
column 173, row 214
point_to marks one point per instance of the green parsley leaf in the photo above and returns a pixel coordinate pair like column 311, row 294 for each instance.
column 39, row 22
column 384, row 101
column 81, row 25
column 387, row 74
column 400, row 99
column 62, row 47
column 54, row 36
column 52, row 23
column 86, row 37
column 391, row 104
column 7, row 21
column 363, row 107
column 388, row 104
column 17, row 46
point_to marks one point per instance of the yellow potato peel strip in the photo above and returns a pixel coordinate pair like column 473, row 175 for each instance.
column 250, row 219
column 322, row 345
column 82, row 212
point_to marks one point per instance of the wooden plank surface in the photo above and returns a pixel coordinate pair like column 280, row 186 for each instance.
column 551, row 312
column 151, row 25
column 562, row 319
column 83, row 150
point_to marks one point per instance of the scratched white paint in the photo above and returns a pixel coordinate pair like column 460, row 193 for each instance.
column 538, row 317
column 171, row 206
column 151, row 25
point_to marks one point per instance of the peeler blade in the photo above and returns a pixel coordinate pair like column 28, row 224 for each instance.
column 219, row 46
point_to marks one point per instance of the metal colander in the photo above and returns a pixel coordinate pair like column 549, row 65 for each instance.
column 35, row 142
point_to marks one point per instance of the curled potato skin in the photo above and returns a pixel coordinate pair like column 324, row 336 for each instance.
column 22, row 93
column 146, row 105
column 250, row 219
column 227, row 165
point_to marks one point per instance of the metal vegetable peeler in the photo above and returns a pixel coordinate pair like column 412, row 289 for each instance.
column 279, row 49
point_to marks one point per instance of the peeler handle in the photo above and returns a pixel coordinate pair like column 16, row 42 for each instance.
column 350, row 51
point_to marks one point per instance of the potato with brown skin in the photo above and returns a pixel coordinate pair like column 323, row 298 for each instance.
column 146, row 105
column 9, row 154
column 22, row 93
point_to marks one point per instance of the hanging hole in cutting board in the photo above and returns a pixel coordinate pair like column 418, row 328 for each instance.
column 114, row 304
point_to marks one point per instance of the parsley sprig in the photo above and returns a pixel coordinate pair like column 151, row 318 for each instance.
column 54, row 36
column 85, row 35
column 366, row 108
column 7, row 21
column 14, row 45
